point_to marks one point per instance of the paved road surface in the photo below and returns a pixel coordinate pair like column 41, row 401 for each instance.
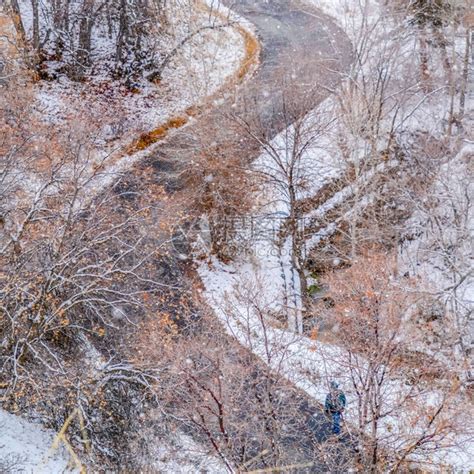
column 302, row 55
column 302, row 50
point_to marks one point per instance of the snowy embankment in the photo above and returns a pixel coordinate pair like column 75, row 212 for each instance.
column 264, row 283
column 204, row 67
column 24, row 447
column 182, row 455
column 197, row 71
column 113, row 120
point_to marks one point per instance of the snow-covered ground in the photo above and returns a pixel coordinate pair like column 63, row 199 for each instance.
column 197, row 72
column 24, row 447
column 443, row 258
column 182, row 455
column 266, row 279
column 202, row 67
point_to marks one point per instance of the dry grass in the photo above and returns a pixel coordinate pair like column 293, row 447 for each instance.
column 148, row 138
column 252, row 52
column 251, row 57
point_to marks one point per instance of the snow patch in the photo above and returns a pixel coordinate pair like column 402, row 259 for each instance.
column 29, row 444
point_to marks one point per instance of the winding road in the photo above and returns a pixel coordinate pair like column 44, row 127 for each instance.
column 304, row 55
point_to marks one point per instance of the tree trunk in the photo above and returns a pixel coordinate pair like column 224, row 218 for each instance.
column 122, row 37
column 452, row 89
column 299, row 284
column 424, row 67
column 465, row 75
column 16, row 14
column 447, row 65
column 85, row 33
column 36, row 31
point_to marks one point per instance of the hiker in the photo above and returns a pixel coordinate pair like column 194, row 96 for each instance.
column 334, row 406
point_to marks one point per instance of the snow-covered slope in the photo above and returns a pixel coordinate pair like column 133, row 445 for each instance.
column 234, row 290
column 24, row 447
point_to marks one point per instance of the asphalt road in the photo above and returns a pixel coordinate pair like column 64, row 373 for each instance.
column 304, row 54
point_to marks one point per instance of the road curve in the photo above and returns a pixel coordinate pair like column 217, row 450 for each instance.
column 303, row 55
column 303, row 52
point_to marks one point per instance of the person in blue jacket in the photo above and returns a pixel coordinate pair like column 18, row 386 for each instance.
column 334, row 406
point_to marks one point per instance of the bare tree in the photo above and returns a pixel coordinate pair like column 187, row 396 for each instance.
column 373, row 316
column 63, row 31
column 73, row 275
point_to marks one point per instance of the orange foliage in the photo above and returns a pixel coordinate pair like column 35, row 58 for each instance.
column 149, row 138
